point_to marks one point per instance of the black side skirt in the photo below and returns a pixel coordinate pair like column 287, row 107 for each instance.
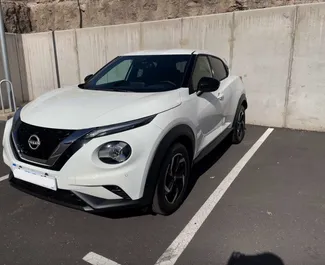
column 208, row 149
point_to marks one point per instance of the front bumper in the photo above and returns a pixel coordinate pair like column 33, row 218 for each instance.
column 84, row 182
column 73, row 199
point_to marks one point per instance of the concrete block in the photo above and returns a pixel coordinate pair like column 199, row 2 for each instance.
column 164, row 34
column 211, row 33
column 307, row 91
column 6, row 115
column 261, row 55
column 67, row 54
column 92, row 46
column 122, row 39
column 40, row 63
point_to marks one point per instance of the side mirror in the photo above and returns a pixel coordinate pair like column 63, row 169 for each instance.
column 208, row 84
column 88, row 77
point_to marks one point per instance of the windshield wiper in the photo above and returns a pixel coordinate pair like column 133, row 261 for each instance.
column 118, row 89
column 119, row 83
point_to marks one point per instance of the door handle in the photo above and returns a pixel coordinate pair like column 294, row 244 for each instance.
column 220, row 97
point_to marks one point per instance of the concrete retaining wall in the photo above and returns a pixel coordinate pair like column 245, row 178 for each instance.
column 161, row 34
column 280, row 52
column 212, row 33
column 121, row 39
column 67, row 56
column 40, row 63
column 306, row 95
column 91, row 43
column 261, row 55
column 17, row 68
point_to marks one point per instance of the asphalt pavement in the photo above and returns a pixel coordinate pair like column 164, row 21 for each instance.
column 275, row 205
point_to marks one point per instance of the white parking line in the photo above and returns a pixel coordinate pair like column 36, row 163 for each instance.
column 4, row 178
column 96, row 259
column 173, row 252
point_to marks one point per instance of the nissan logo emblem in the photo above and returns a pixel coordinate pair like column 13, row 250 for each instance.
column 34, row 142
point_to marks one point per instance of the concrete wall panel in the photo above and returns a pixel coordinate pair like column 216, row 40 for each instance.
column 122, row 39
column 307, row 91
column 22, row 75
column 165, row 34
column 40, row 63
column 211, row 33
column 261, row 55
column 14, row 66
column 12, row 50
column 92, row 45
column 67, row 54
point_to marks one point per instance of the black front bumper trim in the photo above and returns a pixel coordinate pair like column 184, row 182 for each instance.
column 75, row 200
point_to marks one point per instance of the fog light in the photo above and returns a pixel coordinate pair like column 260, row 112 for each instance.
column 114, row 152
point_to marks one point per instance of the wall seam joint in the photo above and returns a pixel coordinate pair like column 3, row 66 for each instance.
column 182, row 33
column 19, row 71
column 289, row 78
column 56, row 63
column 77, row 53
column 141, row 37
column 232, row 41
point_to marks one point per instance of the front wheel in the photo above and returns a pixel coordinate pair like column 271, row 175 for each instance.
column 239, row 126
column 173, row 180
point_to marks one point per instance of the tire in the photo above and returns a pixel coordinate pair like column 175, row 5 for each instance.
column 172, row 183
column 239, row 127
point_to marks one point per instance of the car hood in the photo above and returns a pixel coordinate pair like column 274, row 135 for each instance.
column 75, row 108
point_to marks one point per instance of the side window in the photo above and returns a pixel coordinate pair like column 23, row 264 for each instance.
column 202, row 69
column 218, row 68
column 118, row 73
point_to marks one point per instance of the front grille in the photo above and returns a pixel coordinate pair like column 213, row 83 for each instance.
column 49, row 140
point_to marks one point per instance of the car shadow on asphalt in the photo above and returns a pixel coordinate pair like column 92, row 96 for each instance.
column 259, row 259
column 207, row 162
column 198, row 170
column 122, row 214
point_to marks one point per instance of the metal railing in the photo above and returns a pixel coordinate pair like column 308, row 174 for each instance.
column 11, row 96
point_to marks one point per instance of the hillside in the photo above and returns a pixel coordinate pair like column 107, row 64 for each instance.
column 43, row 15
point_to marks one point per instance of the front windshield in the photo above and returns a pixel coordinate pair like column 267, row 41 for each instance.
column 141, row 73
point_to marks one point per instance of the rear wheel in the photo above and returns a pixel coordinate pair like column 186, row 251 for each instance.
column 239, row 126
column 173, row 180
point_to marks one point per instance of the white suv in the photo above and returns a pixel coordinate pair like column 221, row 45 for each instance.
column 129, row 135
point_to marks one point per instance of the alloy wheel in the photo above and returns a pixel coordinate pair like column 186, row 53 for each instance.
column 175, row 178
column 241, row 124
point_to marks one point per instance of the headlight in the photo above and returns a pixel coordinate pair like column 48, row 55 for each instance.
column 16, row 119
column 17, row 114
column 121, row 127
column 114, row 152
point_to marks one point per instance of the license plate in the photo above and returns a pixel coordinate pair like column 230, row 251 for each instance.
column 36, row 178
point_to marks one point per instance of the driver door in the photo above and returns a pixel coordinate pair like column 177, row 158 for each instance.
column 208, row 105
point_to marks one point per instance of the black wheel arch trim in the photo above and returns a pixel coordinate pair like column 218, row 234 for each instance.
column 241, row 102
column 177, row 133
